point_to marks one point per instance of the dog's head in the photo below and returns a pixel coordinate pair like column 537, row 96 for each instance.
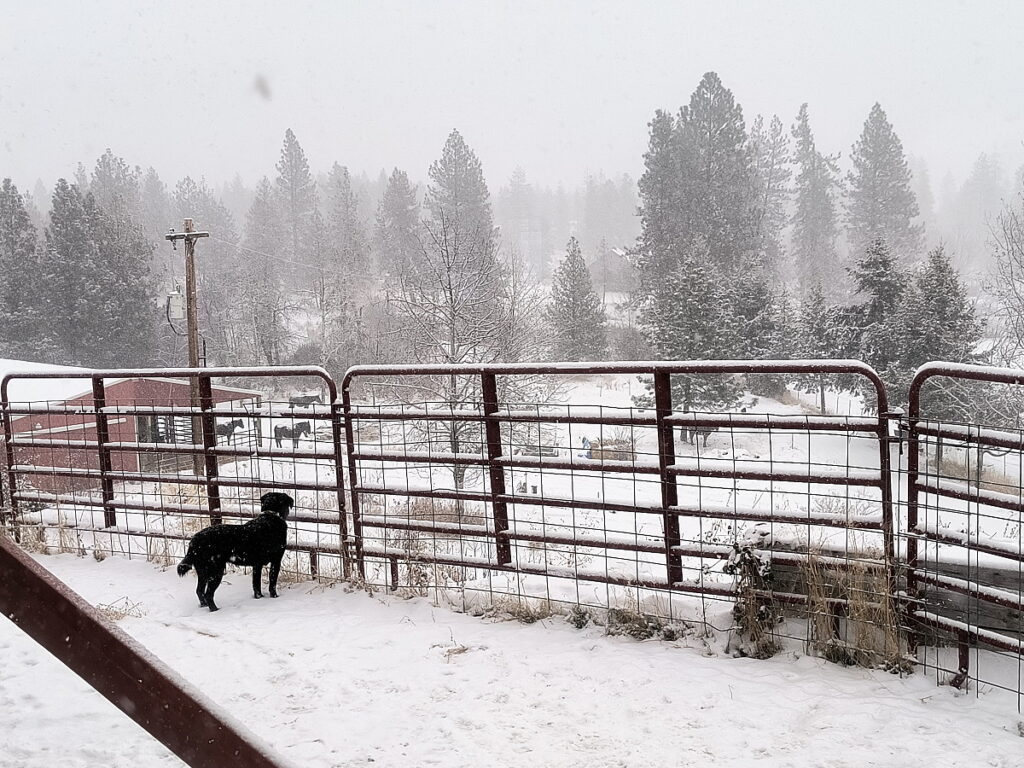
column 280, row 503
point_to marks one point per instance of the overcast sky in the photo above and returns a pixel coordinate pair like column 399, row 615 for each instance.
column 560, row 88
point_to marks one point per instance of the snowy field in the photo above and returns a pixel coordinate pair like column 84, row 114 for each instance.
column 334, row 678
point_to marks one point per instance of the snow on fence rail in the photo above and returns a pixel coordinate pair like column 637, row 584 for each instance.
column 586, row 487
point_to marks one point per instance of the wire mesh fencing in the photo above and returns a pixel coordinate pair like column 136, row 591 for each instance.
column 964, row 554
column 786, row 512
column 769, row 520
column 135, row 462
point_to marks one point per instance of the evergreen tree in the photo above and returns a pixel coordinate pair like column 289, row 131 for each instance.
column 770, row 175
column 295, row 193
column 881, row 202
column 817, row 337
column 689, row 317
column 345, row 230
column 575, row 312
column 815, row 224
column 116, row 188
column 263, row 306
column 935, row 321
column 882, row 283
column 99, row 308
column 661, row 230
column 458, row 195
column 396, row 235
column 20, row 310
column 714, row 199
column 156, row 217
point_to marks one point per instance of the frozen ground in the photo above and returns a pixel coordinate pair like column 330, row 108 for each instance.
column 332, row 678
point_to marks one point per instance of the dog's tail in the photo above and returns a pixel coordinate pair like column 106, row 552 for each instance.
column 185, row 565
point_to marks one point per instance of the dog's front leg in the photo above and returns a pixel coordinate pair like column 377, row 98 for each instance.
column 275, row 568
column 257, row 577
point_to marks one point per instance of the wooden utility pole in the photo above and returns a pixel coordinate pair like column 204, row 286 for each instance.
column 192, row 319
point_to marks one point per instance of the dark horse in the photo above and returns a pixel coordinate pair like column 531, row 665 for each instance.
column 228, row 430
column 303, row 401
column 291, row 433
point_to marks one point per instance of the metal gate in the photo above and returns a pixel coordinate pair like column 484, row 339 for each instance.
column 964, row 553
column 502, row 494
column 121, row 461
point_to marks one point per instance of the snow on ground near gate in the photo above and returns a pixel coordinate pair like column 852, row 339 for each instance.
column 331, row 678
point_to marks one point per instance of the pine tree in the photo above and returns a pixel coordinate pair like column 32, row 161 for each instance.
column 458, row 195
column 295, row 191
column 881, row 203
column 815, row 225
column 263, row 306
column 575, row 313
column 770, row 174
column 396, row 235
column 20, row 310
column 689, row 317
column 714, row 188
column 99, row 306
column 346, row 233
column 935, row 321
column 882, row 283
column 817, row 338
column 662, row 233
column 116, row 188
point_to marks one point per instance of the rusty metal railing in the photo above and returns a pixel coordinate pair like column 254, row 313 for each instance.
column 71, row 454
column 489, row 527
column 964, row 552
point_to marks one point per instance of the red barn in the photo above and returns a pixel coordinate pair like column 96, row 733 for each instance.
column 55, row 424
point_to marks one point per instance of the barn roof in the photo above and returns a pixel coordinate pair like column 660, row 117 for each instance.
column 45, row 389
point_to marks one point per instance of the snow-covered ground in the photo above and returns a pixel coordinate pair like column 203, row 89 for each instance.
column 335, row 678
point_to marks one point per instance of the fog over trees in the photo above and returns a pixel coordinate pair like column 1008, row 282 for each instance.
column 742, row 238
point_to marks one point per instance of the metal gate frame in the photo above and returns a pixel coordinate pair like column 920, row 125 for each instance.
column 208, row 448
column 664, row 419
column 917, row 575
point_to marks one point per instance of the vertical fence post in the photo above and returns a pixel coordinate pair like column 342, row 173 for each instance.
column 353, row 473
column 344, row 545
column 913, row 438
column 492, row 431
column 8, row 469
column 669, row 490
column 209, row 429
column 99, row 401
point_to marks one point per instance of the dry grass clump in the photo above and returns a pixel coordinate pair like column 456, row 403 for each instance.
column 121, row 609
column 872, row 635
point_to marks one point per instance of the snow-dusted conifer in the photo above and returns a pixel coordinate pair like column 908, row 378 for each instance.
column 295, row 192
column 880, row 202
column 20, row 331
column 396, row 239
column 815, row 222
column 575, row 313
column 770, row 177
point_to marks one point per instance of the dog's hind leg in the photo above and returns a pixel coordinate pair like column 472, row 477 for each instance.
column 201, row 587
column 275, row 568
column 257, row 577
column 211, row 586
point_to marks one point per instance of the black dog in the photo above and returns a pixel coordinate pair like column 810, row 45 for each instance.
column 258, row 542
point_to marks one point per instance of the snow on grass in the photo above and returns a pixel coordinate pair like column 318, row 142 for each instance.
column 336, row 678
